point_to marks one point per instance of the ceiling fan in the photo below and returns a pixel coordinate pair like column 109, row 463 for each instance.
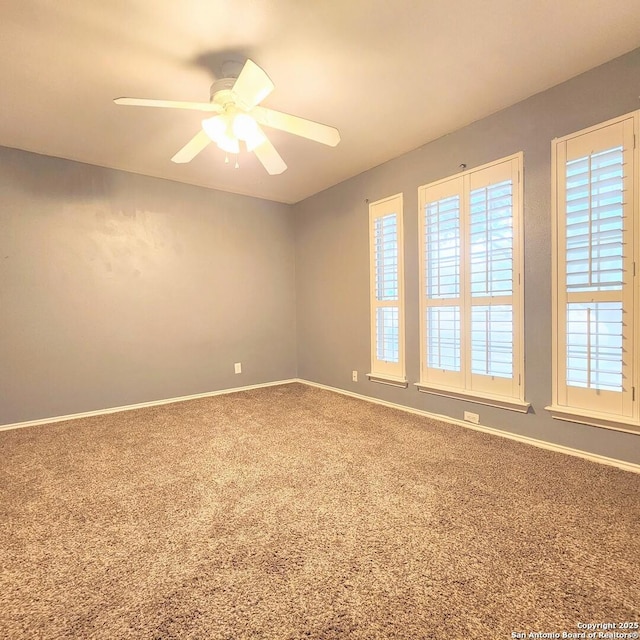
column 238, row 116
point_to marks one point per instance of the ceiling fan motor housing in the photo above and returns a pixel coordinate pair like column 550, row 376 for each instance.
column 221, row 93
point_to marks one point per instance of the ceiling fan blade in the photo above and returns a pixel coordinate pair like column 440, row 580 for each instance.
column 192, row 148
column 298, row 126
column 270, row 158
column 169, row 104
column 252, row 86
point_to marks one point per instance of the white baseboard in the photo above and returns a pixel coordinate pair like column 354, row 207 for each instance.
column 594, row 457
column 542, row 444
column 141, row 405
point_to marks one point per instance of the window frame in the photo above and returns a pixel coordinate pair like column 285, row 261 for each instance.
column 385, row 372
column 463, row 384
column 576, row 404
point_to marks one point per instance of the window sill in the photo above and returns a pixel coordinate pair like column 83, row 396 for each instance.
column 390, row 380
column 503, row 402
column 594, row 419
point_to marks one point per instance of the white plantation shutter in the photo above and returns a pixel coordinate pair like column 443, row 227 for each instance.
column 494, row 222
column 594, row 343
column 491, row 210
column 387, row 303
column 387, row 287
column 594, row 221
column 492, row 340
column 441, row 208
column 443, row 338
column 492, row 239
column 441, row 237
column 471, row 297
column 594, row 302
column 594, row 262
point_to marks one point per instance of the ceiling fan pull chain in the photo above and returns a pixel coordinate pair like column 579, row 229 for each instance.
column 226, row 159
column 237, row 163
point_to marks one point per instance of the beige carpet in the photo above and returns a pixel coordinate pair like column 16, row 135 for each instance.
column 291, row 512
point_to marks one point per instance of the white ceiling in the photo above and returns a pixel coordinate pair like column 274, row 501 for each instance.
column 391, row 75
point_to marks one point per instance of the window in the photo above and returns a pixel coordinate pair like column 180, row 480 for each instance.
column 470, row 285
column 595, row 247
column 387, row 291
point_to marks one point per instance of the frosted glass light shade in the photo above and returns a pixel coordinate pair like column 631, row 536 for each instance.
column 244, row 126
column 227, row 132
column 215, row 127
column 228, row 144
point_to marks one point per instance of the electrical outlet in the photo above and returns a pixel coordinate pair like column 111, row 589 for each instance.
column 354, row 376
column 471, row 417
column 238, row 367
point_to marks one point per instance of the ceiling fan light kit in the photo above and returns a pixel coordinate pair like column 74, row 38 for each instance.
column 228, row 129
column 238, row 118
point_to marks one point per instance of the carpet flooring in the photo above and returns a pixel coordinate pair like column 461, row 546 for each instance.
column 292, row 512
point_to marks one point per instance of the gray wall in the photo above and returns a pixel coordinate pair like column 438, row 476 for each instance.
column 118, row 289
column 332, row 261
